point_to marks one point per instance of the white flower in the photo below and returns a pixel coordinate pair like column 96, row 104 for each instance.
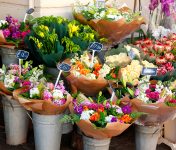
column 9, row 81
column 3, row 22
column 34, row 92
column 76, row 73
column 91, row 76
column 57, row 94
column 104, row 70
column 108, row 118
column 86, row 114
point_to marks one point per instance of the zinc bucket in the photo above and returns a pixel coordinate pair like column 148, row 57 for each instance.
column 8, row 56
column 47, row 131
column 16, row 122
column 67, row 127
column 146, row 137
column 95, row 144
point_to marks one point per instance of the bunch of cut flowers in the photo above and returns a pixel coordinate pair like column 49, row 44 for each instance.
column 43, row 98
column 13, row 32
column 87, row 76
column 100, row 118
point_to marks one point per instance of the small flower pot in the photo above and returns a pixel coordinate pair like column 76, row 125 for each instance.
column 47, row 131
column 8, row 56
column 16, row 122
column 146, row 137
column 95, row 144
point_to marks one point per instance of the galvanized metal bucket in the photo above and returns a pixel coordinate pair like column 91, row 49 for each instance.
column 95, row 144
column 16, row 122
column 47, row 131
column 8, row 56
column 67, row 127
column 147, row 137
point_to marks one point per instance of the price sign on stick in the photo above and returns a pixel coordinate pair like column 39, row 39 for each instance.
column 149, row 71
column 95, row 47
column 113, row 91
column 131, row 54
column 62, row 67
column 21, row 55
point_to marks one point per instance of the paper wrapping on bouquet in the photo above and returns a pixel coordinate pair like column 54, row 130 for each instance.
column 40, row 106
column 4, row 90
column 117, row 30
column 4, row 43
column 87, row 86
column 111, row 129
column 156, row 114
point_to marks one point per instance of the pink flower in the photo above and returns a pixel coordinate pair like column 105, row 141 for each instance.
column 168, row 48
column 161, row 71
column 147, row 91
column 6, row 33
column 169, row 66
column 168, row 42
column 163, row 39
column 160, row 60
column 24, row 33
column 47, row 95
column 169, row 56
column 50, row 86
column 152, row 86
column 153, row 95
column 159, row 47
column 26, row 83
column 137, row 92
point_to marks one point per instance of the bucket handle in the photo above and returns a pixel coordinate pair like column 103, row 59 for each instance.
column 157, row 130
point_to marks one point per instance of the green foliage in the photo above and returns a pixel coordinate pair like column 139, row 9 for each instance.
column 70, row 118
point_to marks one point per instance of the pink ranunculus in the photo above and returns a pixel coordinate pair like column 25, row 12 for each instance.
column 169, row 56
column 161, row 60
column 153, row 95
column 152, row 86
column 50, row 86
column 148, row 91
column 26, row 83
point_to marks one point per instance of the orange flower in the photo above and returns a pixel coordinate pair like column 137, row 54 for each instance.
column 85, row 108
column 84, row 71
column 100, row 109
column 95, row 117
column 126, row 118
column 79, row 65
column 97, row 66
column 113, row 75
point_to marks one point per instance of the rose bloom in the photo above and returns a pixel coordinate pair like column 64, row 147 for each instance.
column 161, row 60
column 169, row 56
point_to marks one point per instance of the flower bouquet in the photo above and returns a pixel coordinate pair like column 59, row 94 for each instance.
column 102, row 118
column 87, row 77
column 103, row 18
column 162, row 53
column 151, row 97
column 12, row 32
column 43, row 98
column 54, row 39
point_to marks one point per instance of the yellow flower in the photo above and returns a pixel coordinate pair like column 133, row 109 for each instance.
column 41, row 34
column 72, row 29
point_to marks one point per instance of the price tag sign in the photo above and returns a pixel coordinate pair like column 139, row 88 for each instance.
column 149, row 71
column 21, row 54
column 62, row 67
column 100, row 3
column 30, row 11
column 131, row 54
column 95, row 46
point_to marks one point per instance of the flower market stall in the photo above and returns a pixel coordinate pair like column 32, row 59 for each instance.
column 89, row 75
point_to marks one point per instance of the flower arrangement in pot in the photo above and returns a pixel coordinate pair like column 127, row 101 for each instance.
column 151, row 97
column 103, row 18
column 12, row 32
column 86, row 76
column 100, row 118
column 53, row 39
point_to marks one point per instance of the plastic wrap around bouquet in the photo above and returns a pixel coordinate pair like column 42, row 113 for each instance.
column 85, row 79
column 154, row 99
column 101, row 119
column 115, row 26
column 12, row 32
column 43, row 98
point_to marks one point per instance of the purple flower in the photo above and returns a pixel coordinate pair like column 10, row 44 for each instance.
column 47, row 95
column 78, row 109
column 126, row 109
column 9, row 19
column 6, row 33
column 153, row 4
column 108, row 105
column 114, row 119
column 17, row 80
column 16, row 35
